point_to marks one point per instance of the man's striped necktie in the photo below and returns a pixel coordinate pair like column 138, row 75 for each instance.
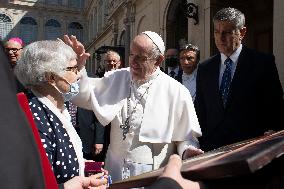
column 226, row 81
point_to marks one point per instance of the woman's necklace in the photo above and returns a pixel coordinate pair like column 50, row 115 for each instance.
column 126, row 126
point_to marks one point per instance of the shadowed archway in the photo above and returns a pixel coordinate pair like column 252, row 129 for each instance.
column 176, row 24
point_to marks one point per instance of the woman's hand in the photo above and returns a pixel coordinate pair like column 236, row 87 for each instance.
column 173, row 170
column 97, row 181
column 79, row 49
column 191, row 151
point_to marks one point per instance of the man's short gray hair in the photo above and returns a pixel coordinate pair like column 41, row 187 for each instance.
column 231, row 15
column 191, row 47
column 111, row 52
column 41, row 57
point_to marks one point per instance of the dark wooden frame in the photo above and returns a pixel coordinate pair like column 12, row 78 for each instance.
column 238, row 159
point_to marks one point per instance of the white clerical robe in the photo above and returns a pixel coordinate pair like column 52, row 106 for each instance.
column 161, row 115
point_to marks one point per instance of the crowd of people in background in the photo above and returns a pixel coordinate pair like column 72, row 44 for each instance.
column 134, row 119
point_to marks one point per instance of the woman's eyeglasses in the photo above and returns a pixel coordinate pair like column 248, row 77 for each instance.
column 74, row 69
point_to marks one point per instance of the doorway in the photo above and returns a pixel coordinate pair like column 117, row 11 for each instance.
column 259, row 22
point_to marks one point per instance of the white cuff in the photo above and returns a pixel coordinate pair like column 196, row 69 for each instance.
column 183, row 145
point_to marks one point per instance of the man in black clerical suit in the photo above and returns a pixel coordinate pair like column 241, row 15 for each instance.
column 173, row 68
column 239, row 95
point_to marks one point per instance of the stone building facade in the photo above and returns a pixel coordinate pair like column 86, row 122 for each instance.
column 100, row 23
column 42, row 19
column 178, row 21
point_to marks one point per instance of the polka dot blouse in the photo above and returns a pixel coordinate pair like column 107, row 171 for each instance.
column 56, row 142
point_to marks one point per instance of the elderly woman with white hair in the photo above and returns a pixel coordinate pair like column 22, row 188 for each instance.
column 50, row 69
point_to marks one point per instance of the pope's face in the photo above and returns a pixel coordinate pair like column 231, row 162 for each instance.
column 141, row 62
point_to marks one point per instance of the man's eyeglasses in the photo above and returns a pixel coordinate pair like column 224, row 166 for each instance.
column 140, row 59
column 74, row 69
column 111, row 61
column 14, row 50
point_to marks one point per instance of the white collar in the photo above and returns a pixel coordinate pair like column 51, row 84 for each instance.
column 65, row 119
column 191, row 76
column 151, row 77
column 234, row 56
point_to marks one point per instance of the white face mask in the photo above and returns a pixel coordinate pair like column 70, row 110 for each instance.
column 74, row 90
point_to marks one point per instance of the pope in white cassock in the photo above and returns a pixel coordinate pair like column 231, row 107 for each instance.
column 152, row 115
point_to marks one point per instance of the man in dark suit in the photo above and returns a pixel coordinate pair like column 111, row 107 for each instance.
column 239, row 95
column 93, row 134
column 173, row 68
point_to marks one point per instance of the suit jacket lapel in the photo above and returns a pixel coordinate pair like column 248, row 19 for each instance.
column 210, row 81
column 215, row 81
column 179, row 76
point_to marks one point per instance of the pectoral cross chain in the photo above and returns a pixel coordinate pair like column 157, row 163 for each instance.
column 125, row 128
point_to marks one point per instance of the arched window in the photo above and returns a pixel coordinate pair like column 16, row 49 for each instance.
column 77, row 3
column 28, row 30
column 52, row 29
column 76, row 29
column 54, row 2
column 5, row 26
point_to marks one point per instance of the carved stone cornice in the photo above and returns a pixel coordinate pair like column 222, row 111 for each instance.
column 99, row 36
column 114, row 6
column 44, row 7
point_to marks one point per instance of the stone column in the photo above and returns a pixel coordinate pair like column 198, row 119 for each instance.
column 64, row 2
column 127, row 24
column 198, row 32
column 115, row 32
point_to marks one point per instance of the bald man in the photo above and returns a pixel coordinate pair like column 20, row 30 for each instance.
column 112, row 60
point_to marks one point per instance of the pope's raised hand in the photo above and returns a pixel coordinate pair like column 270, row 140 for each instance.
column 79, row 49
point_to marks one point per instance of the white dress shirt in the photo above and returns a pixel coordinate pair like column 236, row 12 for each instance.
column 189, row 81
column 234, row 57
